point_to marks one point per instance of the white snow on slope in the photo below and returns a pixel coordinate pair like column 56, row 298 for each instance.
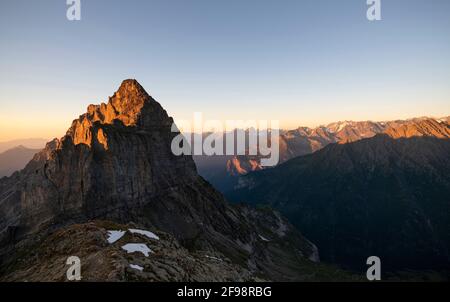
column 113, row 236
column 263, row 238
column 145, row 233
column 138, row 267
column 137, row 247
column 214, row 258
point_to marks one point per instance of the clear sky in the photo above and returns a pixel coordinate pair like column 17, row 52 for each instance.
column 301, row 62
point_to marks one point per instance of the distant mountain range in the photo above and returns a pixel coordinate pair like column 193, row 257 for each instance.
column 222, row 171
column 15, row 159
column 388, row 195
column 31, row 143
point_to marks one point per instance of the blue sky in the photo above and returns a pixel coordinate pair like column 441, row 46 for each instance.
column 301, row 62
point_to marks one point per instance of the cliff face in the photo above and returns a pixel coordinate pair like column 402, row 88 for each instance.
column 419, row 128
column 115, row 163
column 115, row 157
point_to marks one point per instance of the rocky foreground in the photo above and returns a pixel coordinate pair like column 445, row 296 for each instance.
column 115, row 253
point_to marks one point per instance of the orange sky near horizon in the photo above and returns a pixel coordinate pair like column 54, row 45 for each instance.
column 49, row 126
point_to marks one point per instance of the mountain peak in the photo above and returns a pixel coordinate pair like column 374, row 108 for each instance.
column 130, row 95
column 130, row 106
column 20, row 147
column 131, row 86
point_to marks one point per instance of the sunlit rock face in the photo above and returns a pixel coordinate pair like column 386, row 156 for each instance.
column 114, row 157
column 425, row 127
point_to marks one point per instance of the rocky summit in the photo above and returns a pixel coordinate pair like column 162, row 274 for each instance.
column 115, row 164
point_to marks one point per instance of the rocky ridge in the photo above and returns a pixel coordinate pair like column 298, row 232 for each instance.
column 223, row 171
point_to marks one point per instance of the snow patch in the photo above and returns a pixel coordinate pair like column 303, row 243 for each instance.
column 263, row 238
column 137, row 247
column 214, row 258
column 145, row 233
column 138, row 267
column 113, row 236
column 342, row 126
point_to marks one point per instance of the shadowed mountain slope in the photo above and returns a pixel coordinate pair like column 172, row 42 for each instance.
column 15, row 159
column 378, row 196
